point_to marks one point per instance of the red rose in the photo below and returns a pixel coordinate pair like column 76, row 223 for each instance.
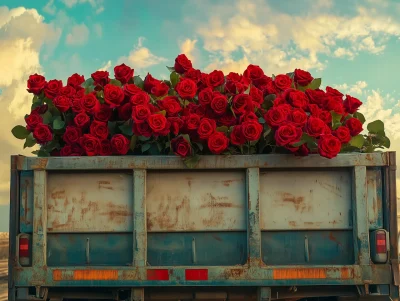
column 171, row 105
column 302, row 151
column 42, row 133
column 33, row 120
column 81, row 120
column 253, row 72
column 105, row 148
column 193, row 121
column 315, row 127
column 90, row 144
column 329, row 146
column 236, row 83
column 218, row 142
column 62, row 103
column 317, row 97
column 206, row 96
column 276, row 116
column 287, row 134
column 140, row 98
column 252, row 130
column 219, row 103
column 80, row 92
column 99, row 129
column 193, row 74
column 262, row 83
column 326, row 116
column 297, row 99
column 36, row 83
column 355, row 126
column 182, row 64
column 283, row 82
column 159, row 124
column 176, row 124
column 149, row 82
column 101, row 78
column 249, row 116
column 66, row 151
column 142, row 129
column 343, row 134
column 40, row 109
column 237, row 137
column 72, row 134
column 215, row 79
column 351, row 104
column 113, row 95
column 186, row 88
column 302, row 78
column 256, row 95
column 131, row 89
column 90, row 103
column 271, row 88
column 125, row 111
column 77, row 106
column 227, row 119
column 335, row 105
column 52, row 88
column 298, row 117
column 120, row 144
column 160, row 89
column 140, row 113
column 68, row 91
column 206, row 128
column 123, row 73
column 75, row 80
column 104, row 114
column 241, row 104
column 181, row 147
column 334, row 93
column 77, row 150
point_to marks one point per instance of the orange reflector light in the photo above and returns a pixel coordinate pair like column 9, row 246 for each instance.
column 196, row 274
column 58, row 275
column 299, row 274
column 162, row 275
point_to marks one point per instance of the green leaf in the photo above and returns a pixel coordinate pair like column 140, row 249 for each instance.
column 132, row 144
column 58, row 124
column 138, row 81
column 88, row 85
column 336, row 120
column 20, row 132
column 174, row 77
column 163, row 112
column 359, row 116
column 116, row 82
column 186, row 137
column 47, row 117
column 357, row 141
column 376, row 127
column 192, row 161
column 200, row 146
column 30, row 141
column 143, row 138
column 305, row 138
column 267, row 130
column 315, row 84
column 171, row 69
column 383, row 141
column 126, row 129
column 261, row 120
column 268, row 101
column 223, row 129
column 290, row 74
column 112, row 125
column 43, row 153
column 145, row 147
column 248, row 90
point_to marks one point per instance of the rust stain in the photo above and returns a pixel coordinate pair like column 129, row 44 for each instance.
column 105, row 185
column 331, row 188
column 228, row 183
column 298, row 202
column 41, row 163
column 25, row 188
column 333, row 238
column 234, row 273
column 216, row 237
column 346, row 273
column 292, row 224
column 60, row 194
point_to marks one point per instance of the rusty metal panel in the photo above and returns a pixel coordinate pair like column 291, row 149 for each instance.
column 26, row 202
column 90, row 202
column 317, row 199
column 196, row 201
column 375, row 195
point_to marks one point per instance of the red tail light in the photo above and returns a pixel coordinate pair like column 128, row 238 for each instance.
column 196, row 274
column 381, row 243
column 162, row 274
column 24, row 250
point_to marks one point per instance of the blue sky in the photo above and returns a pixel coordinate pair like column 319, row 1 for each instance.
column 353, row 45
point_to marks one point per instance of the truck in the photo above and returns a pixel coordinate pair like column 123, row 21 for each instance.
column 239, row 227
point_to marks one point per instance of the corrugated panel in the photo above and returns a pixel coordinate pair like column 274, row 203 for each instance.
column 305, row 200
column 196, row 201
column 374, row 195
column 26, row 202
column 89, row 202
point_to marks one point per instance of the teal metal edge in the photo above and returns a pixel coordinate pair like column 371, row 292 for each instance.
column 139, row 218
column 206, row 162
column 253, row 220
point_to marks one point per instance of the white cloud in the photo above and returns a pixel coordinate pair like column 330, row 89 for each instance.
column 106, row 66
column 97, row 5
column 50, row 8
column 187, row 47
column 343, row 52
column 357, row 88
column 98, row 30
column 141, row 57
column 78, row 36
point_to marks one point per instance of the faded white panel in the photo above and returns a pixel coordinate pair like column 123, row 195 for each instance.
column 196, row 201
column 89, row 202
column 305, row 200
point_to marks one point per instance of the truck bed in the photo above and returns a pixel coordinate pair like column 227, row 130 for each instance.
column 262, row 223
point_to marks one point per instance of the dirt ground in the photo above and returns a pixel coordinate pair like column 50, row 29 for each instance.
column 3, row 265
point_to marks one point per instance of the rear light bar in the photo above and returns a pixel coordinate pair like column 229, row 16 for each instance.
column 190, row 274
column 24, row 249
column 196, row 274
column 380, row 246
column 158, row 274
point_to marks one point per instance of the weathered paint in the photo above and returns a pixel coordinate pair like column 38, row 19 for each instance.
column 89, row 202
column 317, row 200
column 26, row 203
column 196, row 201
column 375, row 196
column 253, row 211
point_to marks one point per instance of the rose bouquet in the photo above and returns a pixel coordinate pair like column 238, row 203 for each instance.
column 194, row 113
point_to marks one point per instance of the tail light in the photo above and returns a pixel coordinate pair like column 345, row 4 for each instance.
column 379, row 246
column 24, row 249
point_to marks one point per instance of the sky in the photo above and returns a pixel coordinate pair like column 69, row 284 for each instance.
column 353, row 45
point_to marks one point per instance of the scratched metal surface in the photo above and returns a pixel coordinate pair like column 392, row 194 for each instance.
column 196, row 201
column 89, row 202
column 26, row 203
column 375, row 196
column 319, row 199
